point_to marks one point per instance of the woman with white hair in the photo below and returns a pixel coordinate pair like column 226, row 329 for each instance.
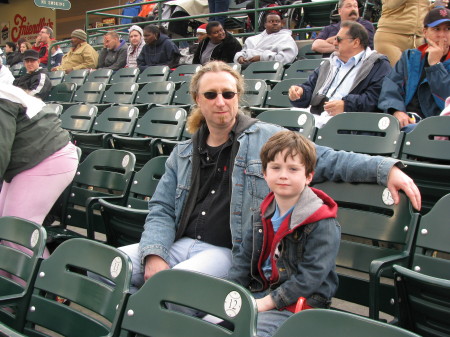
column 136, row 40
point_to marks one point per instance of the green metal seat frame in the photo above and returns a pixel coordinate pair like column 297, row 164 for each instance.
column 298, row 120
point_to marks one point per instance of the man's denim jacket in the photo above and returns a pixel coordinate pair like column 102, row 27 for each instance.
column 248, row 186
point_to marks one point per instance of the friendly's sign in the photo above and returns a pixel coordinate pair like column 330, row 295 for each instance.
column 53, row 4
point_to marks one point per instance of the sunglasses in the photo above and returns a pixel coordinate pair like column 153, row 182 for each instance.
column 212, row 95
column 339, row 39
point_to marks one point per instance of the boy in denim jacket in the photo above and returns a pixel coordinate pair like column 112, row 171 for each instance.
column 291, row 250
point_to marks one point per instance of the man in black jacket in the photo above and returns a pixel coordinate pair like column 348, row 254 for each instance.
column 219, row 45
column 36, row 81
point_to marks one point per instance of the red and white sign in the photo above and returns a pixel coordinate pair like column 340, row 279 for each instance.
column 22, row 27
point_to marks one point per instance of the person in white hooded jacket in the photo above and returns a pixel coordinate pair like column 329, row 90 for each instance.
column 273, row 44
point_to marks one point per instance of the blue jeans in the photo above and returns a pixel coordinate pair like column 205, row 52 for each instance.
column 269, row 321
column 186, row 254
column 217, row 6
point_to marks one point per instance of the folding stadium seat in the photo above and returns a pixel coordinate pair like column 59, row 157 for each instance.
column 298, row 120
column 182, row 97
column 183, row 73
column 118, row 94
column 118, row 120
column 427, row 157
column 146, row 316
column 88, row 93
column 154, row 74
column 17, row 70
column 78, row 76
column 100, row 75
column 79, row 118
column 124, row 219
column 63, row 274
column 159, row 122
column 311, row 323
column 277, row 98
column 125, row 75
column 154, row 93
column 104, row 173
column 376, row 234
column 362, row 132
column 62, row 92
column 23, row 266
column 264, row 70
column 301, row 69
column 424, row 287
column 53, row 108
column 56, row 77
column 306, row 52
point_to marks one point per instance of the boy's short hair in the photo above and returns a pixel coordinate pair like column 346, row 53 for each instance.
column 295, row 144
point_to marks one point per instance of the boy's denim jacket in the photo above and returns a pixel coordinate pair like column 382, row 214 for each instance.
column 248, row 186
column 302, row 254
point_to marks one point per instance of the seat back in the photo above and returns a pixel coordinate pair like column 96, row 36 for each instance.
column 306, row 52
column 125, row 224
column 301, row 121
column 17, row 69
column 148, row 315
column 362, row 132
column 125, row 75
column 77, row 76
column 21, row 264
column 424, row 288
column 317, row 14
column 154, row 74
column 62, row 92
column 64, row 274
column 121, row 93
column 264, row 70
column 104, row 173
column 255, row 92
column 373, row 228
column 90, row 92
column 56, row 77
column 79, row 117
column 182, row 95
column 53, row 108
column 338, row 324
column 184, row 72
column 162, row 122
column 278, row 97
column 301, row 69
column 156, row 93
column 117, row 119
column 100, row 75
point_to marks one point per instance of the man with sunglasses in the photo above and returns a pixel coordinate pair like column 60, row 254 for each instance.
column 212, row 183
column 348, row 10
column 350, row 80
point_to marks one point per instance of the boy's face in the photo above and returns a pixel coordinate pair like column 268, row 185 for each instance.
column 287, row 179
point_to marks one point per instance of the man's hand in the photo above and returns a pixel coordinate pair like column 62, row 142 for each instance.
column 334, row 107
column 265, row 303
column 403, row 118
column 38, row 41
column 397, row 180
column 54, row 69
column 68, row 70
column 331, row 40
column 153, row 265
column 242, row 60
column 295, row 92
column 436, row 51
column 255, row 58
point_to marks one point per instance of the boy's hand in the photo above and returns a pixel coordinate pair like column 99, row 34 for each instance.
column 153, row 265
column 265, row 303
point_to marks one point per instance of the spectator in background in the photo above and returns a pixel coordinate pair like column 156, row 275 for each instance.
column 36, row 81
column 81, row 56
column 25, row 46
column 130, row 11
column 6, row 77
column 12, row 55
column 56, row 56
column 217, row 6
column 43, row 43
column 159, row 49
column 19, row 42
column 400, row 27
column 137, row 42
column 114, row 54
column 348, row 10
column 273, row 44
column 350, row 80
column 420, row 81
column 218, row 45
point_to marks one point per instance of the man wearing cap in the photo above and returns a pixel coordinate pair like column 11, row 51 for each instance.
column 136, row 39
column 114, row 54
column 80, row 56
column 42, row 44
column 420, row 80
column 36, row 81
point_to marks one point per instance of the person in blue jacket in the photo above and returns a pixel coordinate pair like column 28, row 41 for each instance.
column 159, row 49
column 420, row 80
column 350, row 80
column 130, row 11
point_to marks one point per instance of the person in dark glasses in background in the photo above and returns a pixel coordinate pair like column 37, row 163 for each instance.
column 350, row 80
column 213, row 182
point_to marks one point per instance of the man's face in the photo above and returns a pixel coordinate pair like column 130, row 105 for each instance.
column 219, row 112
column 349, row 10
column 44, row 35
column 8, row 49
column 149, row 37
column 31, row 65
column 109, row 42
column 273, row 23
column 75, row 41
column 135, row 38
column 217, row 34
column 439, row 35
column 345, row 45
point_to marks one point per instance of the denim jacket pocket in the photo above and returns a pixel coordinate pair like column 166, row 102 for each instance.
column 256, row 185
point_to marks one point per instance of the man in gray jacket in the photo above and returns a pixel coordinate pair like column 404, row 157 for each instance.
column 114, row 55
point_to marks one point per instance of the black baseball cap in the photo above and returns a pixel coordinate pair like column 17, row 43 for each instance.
column 437, row 16
column 30, row 54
